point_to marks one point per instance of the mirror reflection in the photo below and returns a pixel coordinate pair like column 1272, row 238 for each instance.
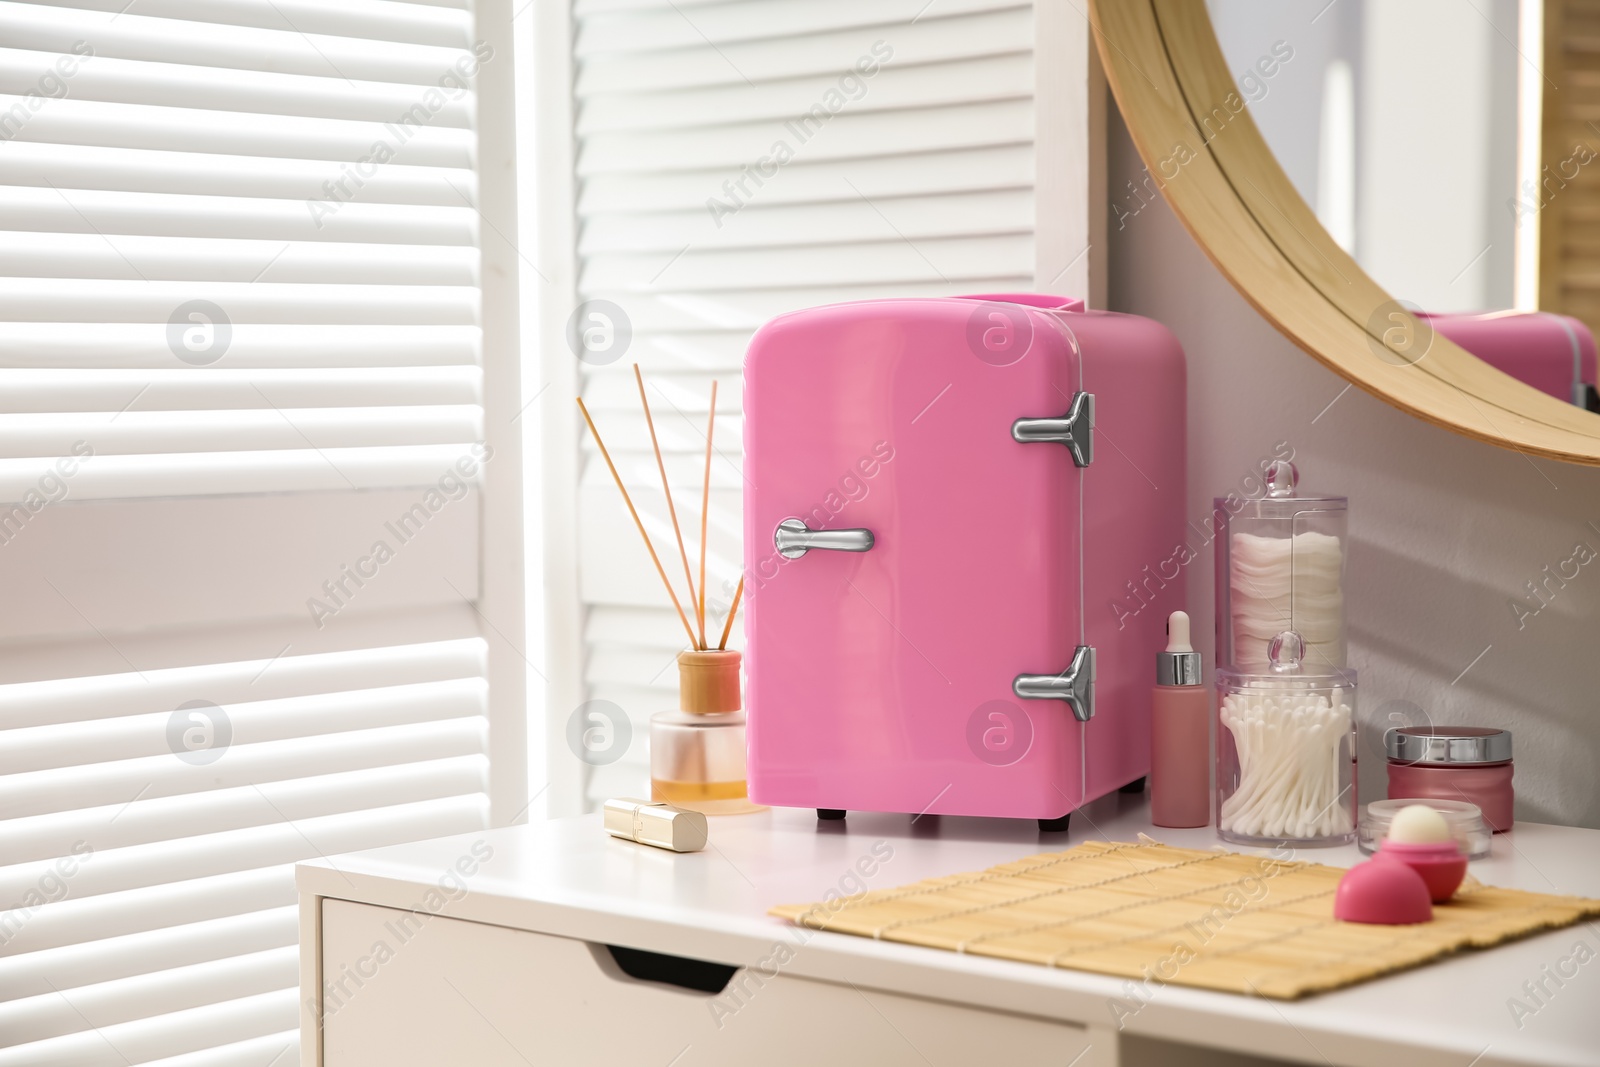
column 1448, row 150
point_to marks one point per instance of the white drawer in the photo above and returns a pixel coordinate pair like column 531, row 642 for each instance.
column 401, row 990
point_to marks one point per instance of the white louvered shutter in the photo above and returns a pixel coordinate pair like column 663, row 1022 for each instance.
column 960, row 164
column 240, row 350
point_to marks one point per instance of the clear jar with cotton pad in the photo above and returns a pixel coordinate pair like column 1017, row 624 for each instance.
column 1280, row 566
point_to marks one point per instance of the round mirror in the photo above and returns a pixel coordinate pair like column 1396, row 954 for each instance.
column 1398, row 187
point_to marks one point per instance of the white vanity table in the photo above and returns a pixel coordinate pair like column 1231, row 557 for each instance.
column 501, row 960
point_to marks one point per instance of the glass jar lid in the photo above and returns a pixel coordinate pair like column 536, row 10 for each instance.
column 1448, row 744
column 1281, row 497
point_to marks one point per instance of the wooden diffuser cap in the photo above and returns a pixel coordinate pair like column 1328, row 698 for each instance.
column 708, row 682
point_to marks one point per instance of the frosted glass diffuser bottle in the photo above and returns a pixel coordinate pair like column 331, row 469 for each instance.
column 697, row 752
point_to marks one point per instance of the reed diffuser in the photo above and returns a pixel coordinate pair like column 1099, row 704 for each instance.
column 697, row 755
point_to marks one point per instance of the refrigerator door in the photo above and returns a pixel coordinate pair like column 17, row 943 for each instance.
column 880, row 678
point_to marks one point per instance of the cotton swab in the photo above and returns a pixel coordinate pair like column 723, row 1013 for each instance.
column 1289, row 746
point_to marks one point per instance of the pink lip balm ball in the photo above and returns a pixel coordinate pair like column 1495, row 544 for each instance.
column 1420, row 839
column 1386, row 894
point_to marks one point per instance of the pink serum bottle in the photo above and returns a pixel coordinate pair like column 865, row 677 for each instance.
column 1180, row 734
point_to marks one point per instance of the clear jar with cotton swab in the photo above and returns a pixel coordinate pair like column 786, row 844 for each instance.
column 1286, row 753
column 1286, row 769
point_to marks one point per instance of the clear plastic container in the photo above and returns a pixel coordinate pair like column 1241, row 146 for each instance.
column 1286, row 758
column 1280, row 566
column 697, row 753
column 1466, row 824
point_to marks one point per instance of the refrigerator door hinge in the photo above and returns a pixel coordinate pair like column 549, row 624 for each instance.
column 1075, row 685
column 1075, row 429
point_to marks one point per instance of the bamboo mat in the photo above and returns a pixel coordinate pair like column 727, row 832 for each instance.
column 1219, row 920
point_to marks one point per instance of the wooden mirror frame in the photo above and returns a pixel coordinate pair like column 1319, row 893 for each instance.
column 1194, row 132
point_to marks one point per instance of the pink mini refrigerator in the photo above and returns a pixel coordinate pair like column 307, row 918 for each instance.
column 964, row 530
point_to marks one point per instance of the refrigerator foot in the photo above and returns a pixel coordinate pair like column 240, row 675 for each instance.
column 1135, row 786
column 830, row 814
column 1054, row 826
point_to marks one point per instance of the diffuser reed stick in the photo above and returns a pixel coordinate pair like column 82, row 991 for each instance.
column 672, row 510
column 705, row 505
column 637, row 522
column 727, row 627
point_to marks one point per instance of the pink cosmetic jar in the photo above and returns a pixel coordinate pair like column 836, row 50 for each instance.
column 1467, row 763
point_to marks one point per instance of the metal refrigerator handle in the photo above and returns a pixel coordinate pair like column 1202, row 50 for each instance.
column 1075, row 685
column 1075, row 429
column 794, row 539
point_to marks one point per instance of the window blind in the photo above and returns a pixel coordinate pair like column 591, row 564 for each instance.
column 736, row 161
column 208, row 250
column 167, row 923
column 240, row 348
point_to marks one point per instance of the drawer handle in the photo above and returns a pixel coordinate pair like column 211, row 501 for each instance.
column 700, row 975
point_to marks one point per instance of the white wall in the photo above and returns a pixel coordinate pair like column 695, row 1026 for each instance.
column 1444, row 531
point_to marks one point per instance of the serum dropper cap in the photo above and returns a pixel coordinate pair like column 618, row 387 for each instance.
column 1179, row 663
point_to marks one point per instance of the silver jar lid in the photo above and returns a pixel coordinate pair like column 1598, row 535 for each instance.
column 1448, row 744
